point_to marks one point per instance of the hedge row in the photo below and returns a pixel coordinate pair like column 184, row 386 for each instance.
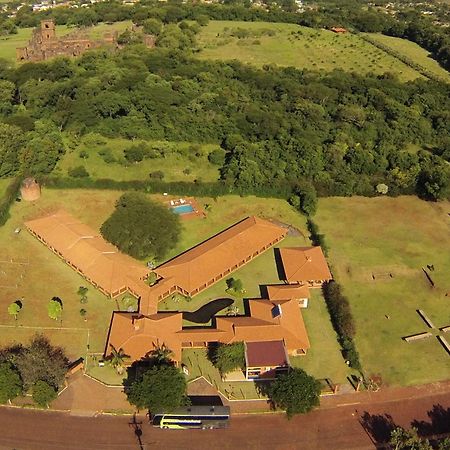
column 206, row 189
column 342, row 320
column 8, row 199
column 404, row 59
column 316, row 237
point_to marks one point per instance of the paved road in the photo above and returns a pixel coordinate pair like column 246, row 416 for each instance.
column 332, row 428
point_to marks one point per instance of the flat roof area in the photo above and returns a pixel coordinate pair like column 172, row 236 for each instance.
column 266, row 354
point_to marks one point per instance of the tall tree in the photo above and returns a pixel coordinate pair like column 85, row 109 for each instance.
column 10, row 383
column 296, row 392
column 142, row 228
column 161, row 388
column 41, row 361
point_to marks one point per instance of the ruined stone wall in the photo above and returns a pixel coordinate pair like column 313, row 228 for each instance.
column 44, row 44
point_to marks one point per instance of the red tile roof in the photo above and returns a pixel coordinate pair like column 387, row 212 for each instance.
column 304, row 264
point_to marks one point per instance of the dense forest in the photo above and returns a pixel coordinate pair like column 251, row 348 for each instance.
column 342, row 132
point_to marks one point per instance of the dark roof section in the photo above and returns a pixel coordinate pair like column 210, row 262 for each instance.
column 266, row 354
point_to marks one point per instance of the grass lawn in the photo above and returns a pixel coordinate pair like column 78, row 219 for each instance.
column 414, row 52
column 36, row 275
column 8, row 44
column 324, row 345
column 397, row 236
column 181, row 158
column 4, row 183
column 300, row 47
column 199, row 365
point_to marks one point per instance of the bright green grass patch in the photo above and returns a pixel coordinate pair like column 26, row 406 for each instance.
column 180, row 164
column 311, row 49
column 412, row 51
column 4, row 183
column 381, row 237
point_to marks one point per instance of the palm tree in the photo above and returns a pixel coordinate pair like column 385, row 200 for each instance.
column 117, row 359
column 161, row 354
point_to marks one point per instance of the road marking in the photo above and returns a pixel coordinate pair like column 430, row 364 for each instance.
column 348, row 404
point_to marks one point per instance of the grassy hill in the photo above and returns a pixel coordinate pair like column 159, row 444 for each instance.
column 414, row 52
column 301, row 47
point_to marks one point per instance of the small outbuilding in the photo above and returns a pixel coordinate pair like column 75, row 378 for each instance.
column 339, row 30
column 264, row 360
column 30, row 190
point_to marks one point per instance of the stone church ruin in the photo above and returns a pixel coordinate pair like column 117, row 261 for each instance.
column 44, row 43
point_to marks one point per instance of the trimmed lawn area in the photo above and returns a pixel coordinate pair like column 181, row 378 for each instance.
column 392, row 239
column 414, row 52
column 199, row 365
column 300, row 47
column 324, row 345
column 178, row 164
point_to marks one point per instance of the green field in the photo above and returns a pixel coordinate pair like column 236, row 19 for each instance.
column 414, row 52
column 384, row 237
column 297, row 46
column 179, row 164
column 8, row 44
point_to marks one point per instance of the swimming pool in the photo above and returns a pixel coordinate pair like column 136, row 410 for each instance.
column 183, row 209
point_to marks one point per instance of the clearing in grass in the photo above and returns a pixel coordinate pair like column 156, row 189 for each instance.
column 301, row 47
column 378, row 247
column 170, row 161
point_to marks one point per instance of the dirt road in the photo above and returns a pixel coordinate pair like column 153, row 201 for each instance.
column 332, row 428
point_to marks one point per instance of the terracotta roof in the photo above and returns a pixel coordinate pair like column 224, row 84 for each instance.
column 287, row 292
column 138, row 335
column 303, row 264
column 266, row 354
column 95, row 258
column 203, row 263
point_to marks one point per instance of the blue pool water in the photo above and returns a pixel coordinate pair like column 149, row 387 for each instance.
column 183, row 209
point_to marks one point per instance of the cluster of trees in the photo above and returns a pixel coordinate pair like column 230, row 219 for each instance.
column 227, row 357
column 30, row 151
column 158, row 386
column 342, row 320
column 38, row 368
column 341, row 132
column 141, row 227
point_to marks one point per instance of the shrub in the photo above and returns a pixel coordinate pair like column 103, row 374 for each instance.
column 217, row 157
column 107, row 155
column 157, row 175
column 78, row 172
column 43, row 393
